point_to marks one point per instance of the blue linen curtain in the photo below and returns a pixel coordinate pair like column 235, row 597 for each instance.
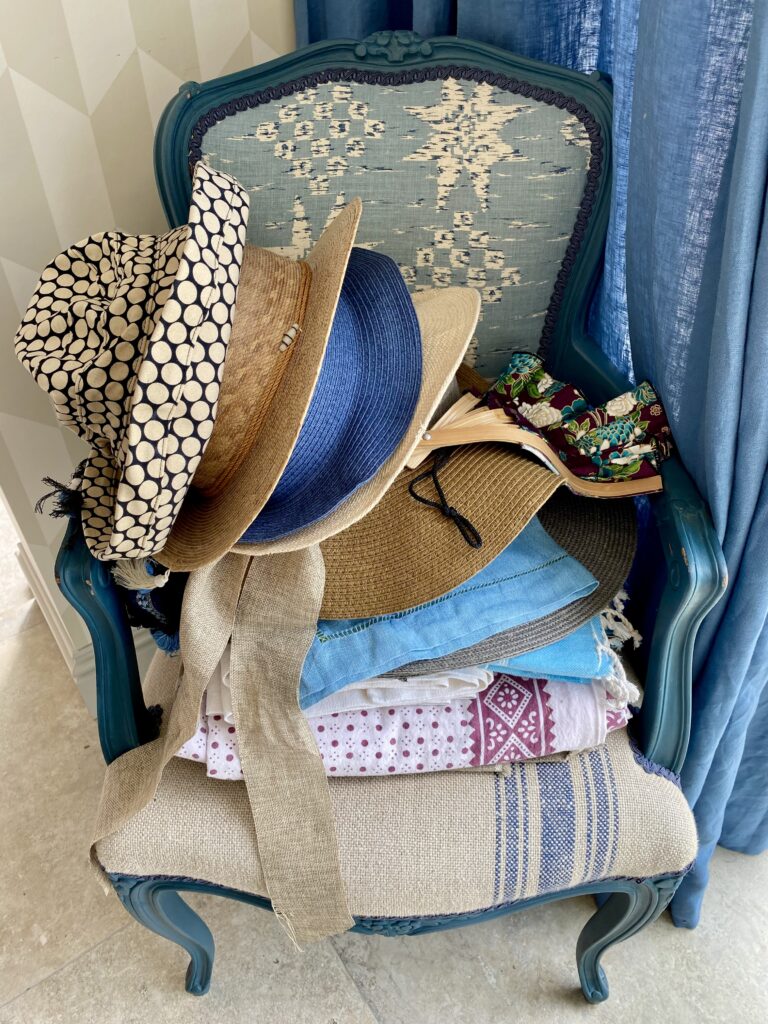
column 687, row 306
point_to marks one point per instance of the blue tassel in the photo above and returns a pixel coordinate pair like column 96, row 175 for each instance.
column 168, row 642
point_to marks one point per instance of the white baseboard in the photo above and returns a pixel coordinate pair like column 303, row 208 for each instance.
column 48, row 607
column 77, row 656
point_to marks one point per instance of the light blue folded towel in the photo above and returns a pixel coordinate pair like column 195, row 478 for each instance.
column 580, row 657
column 532, row 577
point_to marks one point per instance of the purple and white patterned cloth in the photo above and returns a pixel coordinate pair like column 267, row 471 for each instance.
column 513, row 719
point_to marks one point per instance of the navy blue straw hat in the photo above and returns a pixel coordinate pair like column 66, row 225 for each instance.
column 363, row 402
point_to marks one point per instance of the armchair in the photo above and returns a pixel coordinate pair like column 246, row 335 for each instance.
column 478, row 167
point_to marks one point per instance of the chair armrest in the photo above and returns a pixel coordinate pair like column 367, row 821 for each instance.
column 123, row 719
column 581, row 361
column 696, row 580
column 696, row 570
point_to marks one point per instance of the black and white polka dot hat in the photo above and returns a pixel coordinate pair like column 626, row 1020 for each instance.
column 128, row 335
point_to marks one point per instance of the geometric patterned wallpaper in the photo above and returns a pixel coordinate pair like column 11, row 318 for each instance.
column 82, row 85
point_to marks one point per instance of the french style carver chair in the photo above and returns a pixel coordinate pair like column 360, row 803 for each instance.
column 478, row 167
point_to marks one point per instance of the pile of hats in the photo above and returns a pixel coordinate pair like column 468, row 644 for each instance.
column 240, row 404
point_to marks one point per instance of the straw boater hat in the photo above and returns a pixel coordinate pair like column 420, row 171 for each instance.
column 128, row 334
column 284, row 314
column 323, row 378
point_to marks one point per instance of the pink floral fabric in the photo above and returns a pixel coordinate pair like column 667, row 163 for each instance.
column 513, row 719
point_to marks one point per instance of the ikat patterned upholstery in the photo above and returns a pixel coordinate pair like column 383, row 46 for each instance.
column 463, row 180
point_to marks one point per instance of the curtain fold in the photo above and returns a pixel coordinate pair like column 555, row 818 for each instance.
column 683, row 301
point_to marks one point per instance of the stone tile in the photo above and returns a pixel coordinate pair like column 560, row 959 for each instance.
column 23, row 616
column 135, row 977
column 51, row 906
column 526, row 961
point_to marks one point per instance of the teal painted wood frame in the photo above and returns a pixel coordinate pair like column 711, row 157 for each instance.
column 626, row 906
column 695, row 568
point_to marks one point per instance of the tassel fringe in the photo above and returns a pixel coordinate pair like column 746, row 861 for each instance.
column 167, row 642
column 139, row 574
column 617, row 626
column 67, row 498
column 616, row 631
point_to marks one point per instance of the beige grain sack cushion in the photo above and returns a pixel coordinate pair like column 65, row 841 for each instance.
column 447, row 843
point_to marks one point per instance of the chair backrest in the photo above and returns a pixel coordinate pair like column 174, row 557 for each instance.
column 474, row 166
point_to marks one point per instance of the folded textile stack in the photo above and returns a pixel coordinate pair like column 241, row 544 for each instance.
column 252, row 420
column 512, row 719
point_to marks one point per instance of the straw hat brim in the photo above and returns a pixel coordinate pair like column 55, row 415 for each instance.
column 404, row 553
column 602, row 536
column 208, row 525
column 447, row 319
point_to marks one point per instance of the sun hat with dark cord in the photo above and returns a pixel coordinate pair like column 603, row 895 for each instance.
column 602, row 535
column 434, row 528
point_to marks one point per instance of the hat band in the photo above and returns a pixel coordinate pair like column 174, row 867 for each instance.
column 221, row 462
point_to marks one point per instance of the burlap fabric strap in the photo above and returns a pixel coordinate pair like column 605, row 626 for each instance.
column 284, row 775
column 269, row 608
column 207, row 619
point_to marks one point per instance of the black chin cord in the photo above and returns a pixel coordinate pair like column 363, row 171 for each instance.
column 463, row 525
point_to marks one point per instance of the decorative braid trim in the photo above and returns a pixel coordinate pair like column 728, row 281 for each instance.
column 651, row 767
column 464, row 73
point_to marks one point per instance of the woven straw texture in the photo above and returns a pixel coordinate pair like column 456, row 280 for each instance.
column 602, row 535
column 209, row 525
column 450, row 843
column 404, row 553
column 447, row 319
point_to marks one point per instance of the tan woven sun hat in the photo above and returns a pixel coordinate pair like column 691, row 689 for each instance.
column 285, row 310
column 447, row 320
column 404, row 552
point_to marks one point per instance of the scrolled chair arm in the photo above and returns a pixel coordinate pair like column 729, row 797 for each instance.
column 124, row 720
column 696, row 580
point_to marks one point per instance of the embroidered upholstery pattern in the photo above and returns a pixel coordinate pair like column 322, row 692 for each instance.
column 439, row 156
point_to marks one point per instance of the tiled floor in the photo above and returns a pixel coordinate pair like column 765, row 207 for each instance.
column 70, row 954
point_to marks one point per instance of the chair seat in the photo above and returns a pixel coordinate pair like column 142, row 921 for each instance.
column 447, row 843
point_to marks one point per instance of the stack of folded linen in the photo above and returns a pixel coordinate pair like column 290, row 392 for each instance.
column 559, row 697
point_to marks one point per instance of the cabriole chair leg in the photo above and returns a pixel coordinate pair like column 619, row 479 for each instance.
column 625, row 912
column 156, row 905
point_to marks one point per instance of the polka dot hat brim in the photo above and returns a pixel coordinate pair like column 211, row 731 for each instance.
column 128, row 334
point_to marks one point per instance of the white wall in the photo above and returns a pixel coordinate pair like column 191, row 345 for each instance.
column 82, row 85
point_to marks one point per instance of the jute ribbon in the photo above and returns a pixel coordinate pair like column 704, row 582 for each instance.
column 287, row 788
column 207, row 618
column 269, row 607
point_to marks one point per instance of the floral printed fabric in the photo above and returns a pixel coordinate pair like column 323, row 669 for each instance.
column 513, row 719
column 626, row 438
